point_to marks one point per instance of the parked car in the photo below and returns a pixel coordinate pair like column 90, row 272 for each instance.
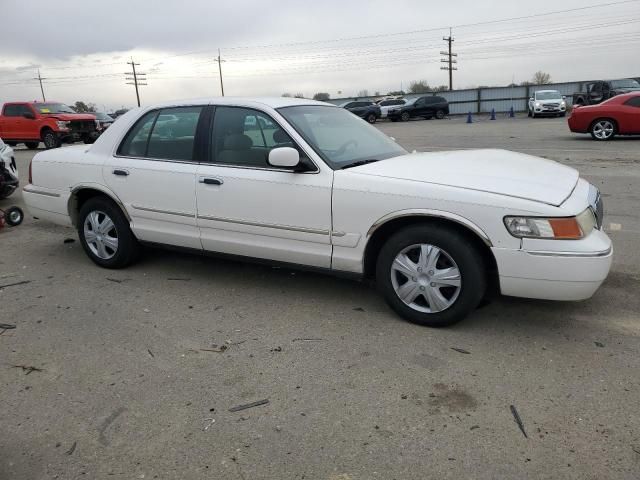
column 388, row 104
column 118, row 113
column 103, row 120
column 547, row 102
column 619, row 115
column 438, row 231
column 49, row 122
column 424, row 107
column 9, row 179
column 602, row 90
column 364, row 109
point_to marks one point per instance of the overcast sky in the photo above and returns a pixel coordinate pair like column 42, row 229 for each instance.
column 272, row 47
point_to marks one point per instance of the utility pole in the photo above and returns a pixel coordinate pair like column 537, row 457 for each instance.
column 450, row 60
column 40, row 78
column 219, row 60
column 132, row 78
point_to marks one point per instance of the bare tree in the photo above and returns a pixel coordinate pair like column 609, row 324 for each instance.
column 299, row 95
column 397, row 93
column 81, row 107
column 419, row 86
column 541, row 78
column 363, row 93
column 322, row 96
column 286, row 94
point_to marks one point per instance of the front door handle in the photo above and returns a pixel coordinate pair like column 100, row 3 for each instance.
column 211, row 181
column 121, row 173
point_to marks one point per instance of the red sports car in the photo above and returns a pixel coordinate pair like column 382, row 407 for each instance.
column 619, row 115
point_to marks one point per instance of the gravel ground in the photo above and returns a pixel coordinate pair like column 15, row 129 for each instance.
column 135, row 371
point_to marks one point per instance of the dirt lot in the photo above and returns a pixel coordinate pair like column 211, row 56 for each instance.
column 136, row 370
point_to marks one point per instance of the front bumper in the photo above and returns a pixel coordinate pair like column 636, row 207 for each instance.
column 564, row 270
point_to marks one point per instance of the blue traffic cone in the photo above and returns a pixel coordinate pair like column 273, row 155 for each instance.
column 512, row 114
column 493, row 114
column 469, row 119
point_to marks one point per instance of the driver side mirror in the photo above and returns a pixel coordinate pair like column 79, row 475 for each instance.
column 284, row 157
column 29, row 115
column 531, row 99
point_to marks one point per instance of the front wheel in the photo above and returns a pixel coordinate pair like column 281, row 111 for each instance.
column 430, row 276
column 371, row 118
column 50, row 140
column 105, row 234
column 32, row 145
column 603, row 129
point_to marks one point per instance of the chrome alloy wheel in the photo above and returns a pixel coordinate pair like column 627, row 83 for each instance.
column 101, row 235
column 603, row 129
column 426, row 278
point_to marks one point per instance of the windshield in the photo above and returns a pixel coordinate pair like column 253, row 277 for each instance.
column 548, row 96
column 103, row 116
column 52, row 108
column 626, row 83
column 340, row 137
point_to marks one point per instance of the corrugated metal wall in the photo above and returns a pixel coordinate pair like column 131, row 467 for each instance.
column 482, row 100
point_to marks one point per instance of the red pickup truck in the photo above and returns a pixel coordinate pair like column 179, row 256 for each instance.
column 49, row 122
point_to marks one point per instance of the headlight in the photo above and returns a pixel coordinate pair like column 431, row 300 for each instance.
column 62, row 125
column 563, row 103
column 560, row 228
column 537, row 104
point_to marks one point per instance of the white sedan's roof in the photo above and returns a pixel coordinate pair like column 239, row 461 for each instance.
column 273, row 102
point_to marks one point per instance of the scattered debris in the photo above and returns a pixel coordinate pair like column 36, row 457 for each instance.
column 23, row 282
column 179, row 279
column 69, row 240
column 28, row 369
column 150, row 353
column 473, row 427
column 636, row 450
column 146, row 310
column 72, row 449
column 308, row 340
column 277, row 349
column 211, row 422
column 518, row 420
column 599, row 344
column 215, row 348
column 461, row 350
column 115, row 280
column 249, row 405
column 358, row 309
column 7, row 326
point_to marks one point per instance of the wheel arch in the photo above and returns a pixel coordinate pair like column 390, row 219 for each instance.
column 389, row 224
column 81, row 193
column 44, row 129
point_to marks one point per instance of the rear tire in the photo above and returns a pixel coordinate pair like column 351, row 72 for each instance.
column 11, row 144
column 436, row 253
column 14, row 216
column 105, row 234
column 371, row 118
column 440, row 114
column 603, row 129
column 405, row 116
column 50, row 139
column 32, row 145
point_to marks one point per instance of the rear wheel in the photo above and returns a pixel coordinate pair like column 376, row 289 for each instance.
column 429, row 275
column 105, row 234
column 405, row 116
column 14, row 216
column 603, row 129
column 50, row 139
column 371, row 118
column 440, row 114
column 32, row 145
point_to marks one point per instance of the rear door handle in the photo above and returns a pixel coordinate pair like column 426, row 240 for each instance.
column 211, row 181
column 121, row 173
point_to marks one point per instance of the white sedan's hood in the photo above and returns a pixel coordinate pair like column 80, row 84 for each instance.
column 495, row 171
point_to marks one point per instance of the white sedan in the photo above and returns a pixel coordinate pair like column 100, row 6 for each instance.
column 305, row 183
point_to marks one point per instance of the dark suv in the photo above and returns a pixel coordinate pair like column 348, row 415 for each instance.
column 425, row 107
column 364, row 109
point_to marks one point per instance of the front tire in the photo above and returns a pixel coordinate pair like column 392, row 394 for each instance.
column 105, row 234
column 603, row 129
column 50, row 139
column 431, row 275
